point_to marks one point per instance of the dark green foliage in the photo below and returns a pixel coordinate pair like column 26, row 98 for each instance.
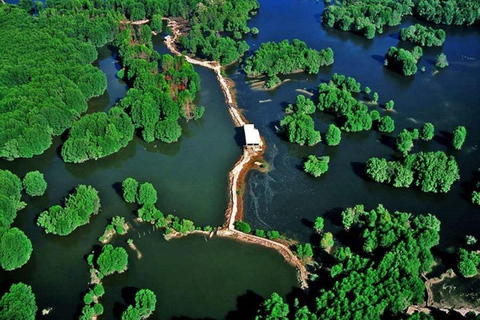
column 243, row 226
column 299, row 128
column 476, row 197
column 385, row 277
column 150, row 213
column 168, row 131
column 98, row 135
column 273, row 308
column 18, row 303
column 386, row 124
column 428, row 132
column 316, row 166
column 34, row 183
column 456, row 12
column 272, row 82
column 147, row 195
column 468, row 262
column 46, row 79
column 459, row 136
column 272, row 59
column 76, row 212
column 423, row 36
column 183, row 227
column 403, row 61
column 441, row 61
column 112, row 259
column 130, row 190
column 333, row 135
column 366, row 17
column 305, row 251
column 15, row 249
column 302, row 105
column 430, row 171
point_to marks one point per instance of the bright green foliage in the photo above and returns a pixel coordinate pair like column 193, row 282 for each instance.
column 98, row 135
column 150, row 213
column 430, row 171
column 168, row 131
column 184, row 227
column 456, row 12
column 404, row 141
column 10, row 199
column 98, row 308
column 131, row 314
column 145, row 302
column 366, row 17
column 18, row 303
column 476, row 197
column 130, row 190
column 260, row 233
column 273, row 234
column 386, row 124
column 403, row 61
column 305, row 251
column 316, row 166
column 99, row 290
column 327, row 241
column 389, row 105
column 428, row 132
column 441, row 61
column 302, row 105
column 273, row 82
column 78, row 208
column 318, row 224
column 468, row 262
column 46, row 79
column 459, row 136
column 243, row 226
column 254, row 31
column 273, row 309
column 87, row 313
column 368, row 90
column 118, row 224
column 335, row 97
column 423, row 36
column 385, row 277
column 375, row 115
column 375, row 97
column 333, row 135
column 112, row 259
column 272, row 59
column 34, row 183
column 15, row 249
column 198, row 113
column 88, row 298
column 470, row 240
column 299, row 128
column 147, row 194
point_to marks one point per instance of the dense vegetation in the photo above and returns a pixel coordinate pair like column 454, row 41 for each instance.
column 380, row 274
column 459, row 136
column 423, row 36
column 441, row 61
column 92, row 307
column 46, row 79
column 468, row 262
column 76, row 212
column 300, row 128
column 34, row 183
column 402, row 60
column 316, row 166
column 145, row 304
column 18, row 303
column 272, row 59
column 369, row 17
column 429, row 171
column 15, row 246
column 112, row 260
column 98, row 135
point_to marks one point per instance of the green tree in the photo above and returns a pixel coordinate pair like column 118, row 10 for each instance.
column 404, row 141
column 130, row 190
column 333, row 135
column 468, row 261
column 15, row 249
column 316, row 166
column 327, row 241
column 386, row 124
column 168, row 131
column 318, row 224
column 389, row 105
column 375, row 97
column 112, row 259
column 476, row 197
column 147, row 194
column 459, row 136
column 18, row 303
column 145, row 302
column 131, row 314
column 243, row 226
column 34, row 184
column 273, row 309
column 428, row 132
column 441, row 61
column 368, row 90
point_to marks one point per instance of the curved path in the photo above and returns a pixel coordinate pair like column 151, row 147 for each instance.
column 242, row 165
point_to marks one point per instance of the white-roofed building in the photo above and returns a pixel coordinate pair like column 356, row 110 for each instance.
column 252, row 136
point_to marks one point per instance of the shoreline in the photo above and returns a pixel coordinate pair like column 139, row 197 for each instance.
column 236, row 176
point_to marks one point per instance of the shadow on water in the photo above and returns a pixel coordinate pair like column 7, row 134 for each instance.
column 378, row 58
column 247, row 306
column 334, row 215
column 444, row 138
column 359, row 169
column 388, row 141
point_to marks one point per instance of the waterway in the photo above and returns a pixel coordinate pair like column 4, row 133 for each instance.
column 288, row 200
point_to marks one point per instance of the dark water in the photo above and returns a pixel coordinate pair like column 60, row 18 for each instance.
column 286, row 198
column 190, row 276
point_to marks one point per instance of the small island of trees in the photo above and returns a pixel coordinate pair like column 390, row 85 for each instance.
column 403, row 61
column 423, row 36
column 316, row 166
column 272, row 59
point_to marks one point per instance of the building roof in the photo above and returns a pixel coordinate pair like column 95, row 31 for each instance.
column 252, row 136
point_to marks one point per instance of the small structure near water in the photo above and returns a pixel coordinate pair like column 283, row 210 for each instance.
column 252, row 136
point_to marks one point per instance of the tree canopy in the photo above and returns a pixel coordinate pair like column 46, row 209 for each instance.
column 18, row 303
column 112, row 260
column 316, row 166
column 423, row 36
column 34, row 183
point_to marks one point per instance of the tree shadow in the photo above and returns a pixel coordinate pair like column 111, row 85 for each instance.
column 117, row 186
column 128, row 295
column 378, row 58
column 247, row 306
column 444, row 138
column 359, row 169
column 334, row 215
column 388, row 141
